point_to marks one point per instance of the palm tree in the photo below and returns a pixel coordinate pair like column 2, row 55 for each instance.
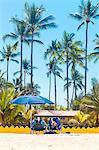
column 87, row 12
column 76, row 82
column 20, row 35
column 76, row 58
column 56, row 71
column 26, row 69
column 49, row 73
column 8, row 54
column 53, row 53
column 66, row 46
column 35, row 23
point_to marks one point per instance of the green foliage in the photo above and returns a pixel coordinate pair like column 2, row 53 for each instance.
column 81, row 118
column 11, row 114
column 92, row 119
column 8, row 112
column 90, row 102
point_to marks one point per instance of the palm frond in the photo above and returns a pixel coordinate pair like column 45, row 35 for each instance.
column 14, row 60
column 65, row 86
column 15, row 45
column 47, row 19
column 97, row 35
column 37, row 34
column 1, row 60
column 76, row 16
column 15, row 54
column 92, row 22
column 3, row 54
column 96, row 16
column 11, row 36
column 48, row 25
column 15, row 73
column 80, row 25
column 38, row 41
column 15, row 20
column 26, row 41
column 80, row 86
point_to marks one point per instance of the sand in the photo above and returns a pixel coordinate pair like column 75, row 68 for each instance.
column 49, row 142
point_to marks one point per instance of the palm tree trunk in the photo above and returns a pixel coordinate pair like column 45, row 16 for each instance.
column 50, row 86
column 7, row 70
column 67, row 80
column 55, row 90
column 32, row 63
column 86, row 58
column 21, row 64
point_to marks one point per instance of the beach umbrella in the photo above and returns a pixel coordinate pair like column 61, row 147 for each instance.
column 29, row 99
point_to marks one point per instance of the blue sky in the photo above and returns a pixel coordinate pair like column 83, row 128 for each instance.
column 60, row 9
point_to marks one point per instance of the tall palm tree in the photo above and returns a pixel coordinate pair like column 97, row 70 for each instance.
column 87, row 12
column 53, row 53
column 56, row 71
column 35, row 23
column 76, row 83
column 20, row 36
column 66, row 47
column 8, row 54
column 76, row 58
